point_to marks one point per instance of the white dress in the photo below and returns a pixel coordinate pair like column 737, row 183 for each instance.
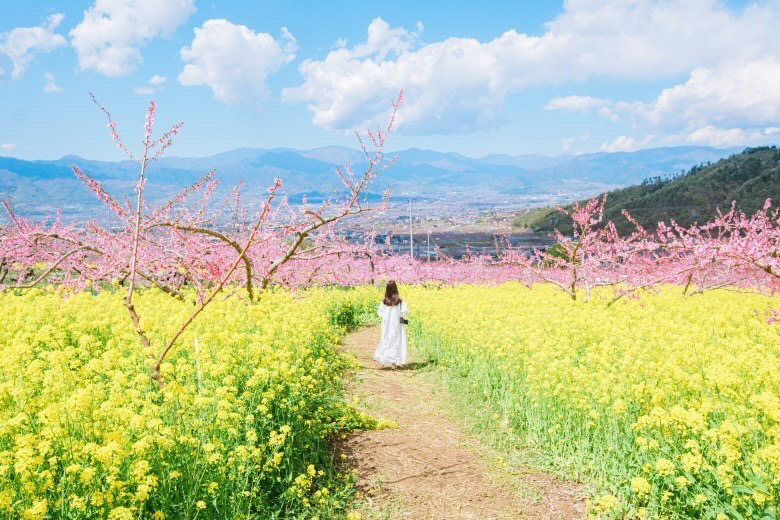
column 392, row 345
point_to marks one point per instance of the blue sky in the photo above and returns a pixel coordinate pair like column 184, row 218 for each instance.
column 480, row 77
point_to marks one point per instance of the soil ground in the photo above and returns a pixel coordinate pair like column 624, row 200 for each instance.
column 428, row 467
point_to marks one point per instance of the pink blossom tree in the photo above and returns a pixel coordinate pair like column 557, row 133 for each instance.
column 181, row 242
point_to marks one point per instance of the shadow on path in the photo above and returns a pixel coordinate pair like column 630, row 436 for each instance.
column 415, row 365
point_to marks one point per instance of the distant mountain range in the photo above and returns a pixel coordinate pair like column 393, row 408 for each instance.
column 38, row 188
column 747, row 178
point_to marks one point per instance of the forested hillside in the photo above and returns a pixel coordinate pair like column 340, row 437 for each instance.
column 748, row 178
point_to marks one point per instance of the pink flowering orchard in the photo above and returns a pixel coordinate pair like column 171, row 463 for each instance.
column 182, row 243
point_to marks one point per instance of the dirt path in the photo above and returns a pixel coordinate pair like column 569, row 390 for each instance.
column 427, row 468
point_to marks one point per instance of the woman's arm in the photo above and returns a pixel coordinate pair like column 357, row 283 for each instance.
column 381, row 310
column 404, row 310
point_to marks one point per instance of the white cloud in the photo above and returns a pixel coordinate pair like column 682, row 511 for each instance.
column 626, row 144
column 51, row 86
column 732, row 94
column 450, row 86
column 22, row 43
column 7, row 147
column 714, row 136
column 648, row 39
column 383, row 41
column 576, row 103
column 605, row 108
column 459, row 84
column 157, row 80
column 234, row 61
column 734, row 103
column 149, row 88
column 112, row 32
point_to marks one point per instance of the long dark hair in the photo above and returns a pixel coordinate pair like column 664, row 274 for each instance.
column 392, row 298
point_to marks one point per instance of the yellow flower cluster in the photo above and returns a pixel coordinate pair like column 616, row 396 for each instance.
column 253, row 394
column 669, row 405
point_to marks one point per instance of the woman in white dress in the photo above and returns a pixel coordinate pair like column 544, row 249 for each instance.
column 393, row 311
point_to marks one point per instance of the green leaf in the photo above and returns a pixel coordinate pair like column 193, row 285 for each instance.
column 758, row 484
column 742, row 489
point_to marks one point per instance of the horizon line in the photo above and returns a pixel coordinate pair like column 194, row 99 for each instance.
column 358, row 151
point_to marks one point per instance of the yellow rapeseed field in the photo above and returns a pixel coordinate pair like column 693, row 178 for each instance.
column 663, row 406
column 668, row 406
column 241, row 429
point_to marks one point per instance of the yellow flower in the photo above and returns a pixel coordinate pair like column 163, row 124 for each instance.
column 6, row 499
column 640, row 486
column 605, row 503
column 120, row 513
column 77, row 503
column 200, row 504
column 39, row 510
column 664, row 467
column 644, row 373
column 678, row 386
column 87, row 474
